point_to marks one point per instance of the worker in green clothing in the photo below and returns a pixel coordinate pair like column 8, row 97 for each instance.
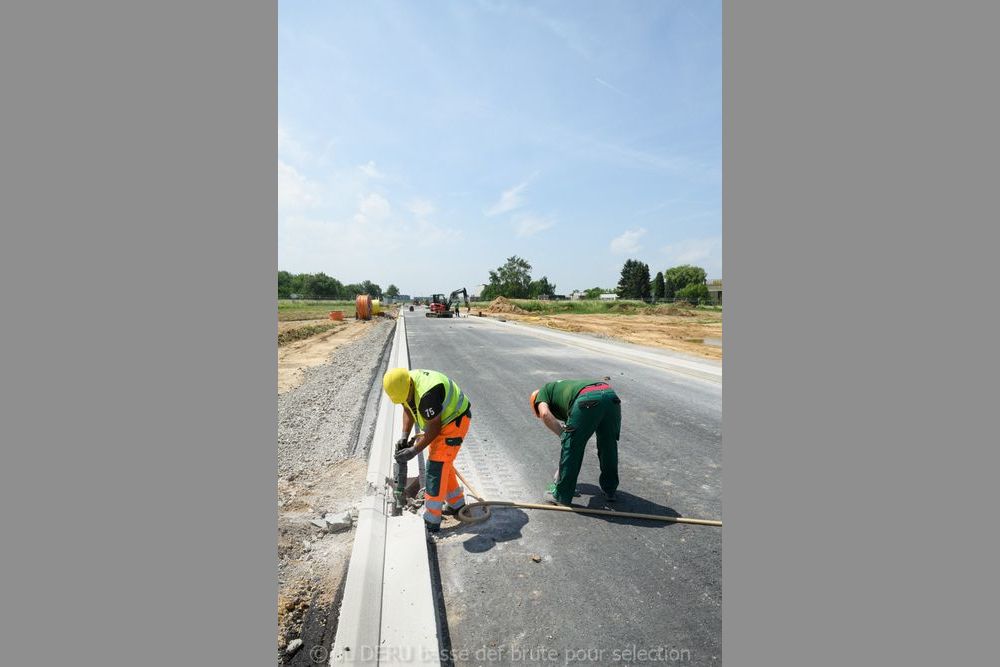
column 587, row 407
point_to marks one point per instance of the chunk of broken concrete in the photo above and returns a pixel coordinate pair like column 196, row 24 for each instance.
column 293, row 646
column 338, row 522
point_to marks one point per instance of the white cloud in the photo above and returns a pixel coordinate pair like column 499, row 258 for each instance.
column 421, row 207
column 627, row 242
column 373, row 208
column 374, row 248
column 427, row 234
column 335, row 221
column 370, row 170
column 295, row 191
column 703, row 252
column 529, row 224
column 509, row 200
column 308, row 151
column 690, row 251
column 288, row 147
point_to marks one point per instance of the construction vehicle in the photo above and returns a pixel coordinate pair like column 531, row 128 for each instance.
column 439, row 307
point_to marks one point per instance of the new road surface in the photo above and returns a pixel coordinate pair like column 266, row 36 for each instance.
column 536, row 587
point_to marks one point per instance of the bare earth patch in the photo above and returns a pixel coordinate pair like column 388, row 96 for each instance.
column 288, row 325
column 696, row 332
column 313, row 561
column 322, row 451
column 295, row 357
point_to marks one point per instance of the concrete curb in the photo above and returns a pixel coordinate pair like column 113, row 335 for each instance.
column 387, row 613
column 707, row 371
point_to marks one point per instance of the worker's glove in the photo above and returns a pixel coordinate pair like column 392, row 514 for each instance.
column 402, row 443
column 404, row 455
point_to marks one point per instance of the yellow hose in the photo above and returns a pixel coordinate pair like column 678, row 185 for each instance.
column 464, row 515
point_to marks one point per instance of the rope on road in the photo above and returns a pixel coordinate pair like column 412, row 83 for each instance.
column 465, row 516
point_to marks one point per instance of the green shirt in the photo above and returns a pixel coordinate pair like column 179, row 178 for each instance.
column 561, row 394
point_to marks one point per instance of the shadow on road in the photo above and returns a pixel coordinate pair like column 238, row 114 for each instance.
column 626, row 502
column 504, row 525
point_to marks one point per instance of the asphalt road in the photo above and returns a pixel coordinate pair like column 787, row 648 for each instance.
column 606, row 589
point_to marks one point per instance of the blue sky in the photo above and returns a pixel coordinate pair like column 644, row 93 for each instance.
column 423, row 143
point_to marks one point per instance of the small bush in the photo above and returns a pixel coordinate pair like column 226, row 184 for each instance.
column 694, row 294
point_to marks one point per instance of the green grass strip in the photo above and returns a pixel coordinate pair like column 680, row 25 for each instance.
column 299, row 333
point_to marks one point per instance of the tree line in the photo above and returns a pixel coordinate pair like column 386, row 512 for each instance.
column 322, row 286
column 513, row 280
column 684, row 282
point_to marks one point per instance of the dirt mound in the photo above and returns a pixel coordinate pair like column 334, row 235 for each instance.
column 681, row 308
column 504, row 305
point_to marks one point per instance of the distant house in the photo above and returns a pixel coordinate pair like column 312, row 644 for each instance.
column 715, row 290
column 576, row 295
column 609, row 296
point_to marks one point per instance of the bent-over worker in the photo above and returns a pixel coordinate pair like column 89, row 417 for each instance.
column 443, row 413
column 587, row 407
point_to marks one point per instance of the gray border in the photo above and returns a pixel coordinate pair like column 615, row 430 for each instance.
column 138, row 256
column 860, row 144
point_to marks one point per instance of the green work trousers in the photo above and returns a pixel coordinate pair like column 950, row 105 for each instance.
column 597, row 412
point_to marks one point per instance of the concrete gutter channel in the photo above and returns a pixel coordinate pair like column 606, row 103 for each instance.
column 707, row 370
column 366, row 422
column 388, row 613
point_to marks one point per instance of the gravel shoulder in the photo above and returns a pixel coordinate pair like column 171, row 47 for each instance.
column 295, row 358
column 321, row 472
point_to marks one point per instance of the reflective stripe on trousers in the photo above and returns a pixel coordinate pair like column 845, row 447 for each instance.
column 442, row 483
column 456, row 498
column 432, row 513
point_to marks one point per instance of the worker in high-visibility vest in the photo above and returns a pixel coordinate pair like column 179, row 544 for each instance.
column 436, row 404
column 587, row 407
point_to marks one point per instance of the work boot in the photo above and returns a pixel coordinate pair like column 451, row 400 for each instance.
column 552, row 490
column 610, row 496
column 550, row 498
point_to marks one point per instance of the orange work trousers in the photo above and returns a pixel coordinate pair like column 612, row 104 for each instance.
column 441, row 484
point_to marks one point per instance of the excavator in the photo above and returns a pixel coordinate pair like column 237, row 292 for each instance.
column 439, row 307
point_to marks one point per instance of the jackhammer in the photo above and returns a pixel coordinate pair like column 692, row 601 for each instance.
column 401, row 471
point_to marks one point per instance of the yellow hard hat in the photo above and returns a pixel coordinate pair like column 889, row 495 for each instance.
column 396, row 383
